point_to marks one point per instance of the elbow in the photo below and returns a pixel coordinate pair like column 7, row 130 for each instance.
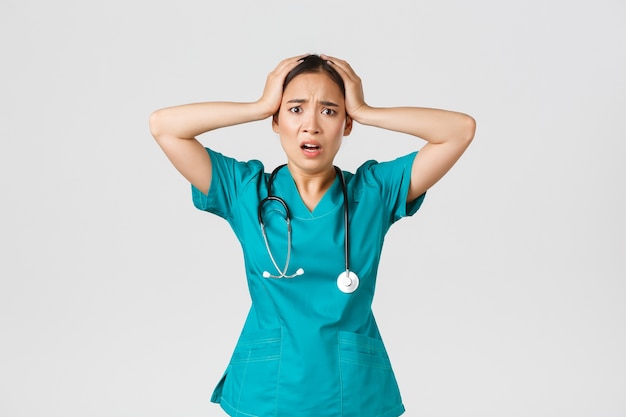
column 468, row 129
column 156, row 124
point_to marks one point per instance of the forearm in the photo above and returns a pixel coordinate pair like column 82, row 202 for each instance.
column 190, row 120
column 432, row 125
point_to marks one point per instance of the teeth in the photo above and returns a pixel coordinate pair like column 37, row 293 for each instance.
column 308, row 146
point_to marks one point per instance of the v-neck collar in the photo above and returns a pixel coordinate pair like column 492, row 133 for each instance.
column 285, row 187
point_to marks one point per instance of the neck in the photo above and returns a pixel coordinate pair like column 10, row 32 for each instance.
column 312, row 186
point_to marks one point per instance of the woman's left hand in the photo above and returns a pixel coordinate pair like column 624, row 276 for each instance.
column 355, row 99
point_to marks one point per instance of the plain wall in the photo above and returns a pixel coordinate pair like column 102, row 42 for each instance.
column 505, row 295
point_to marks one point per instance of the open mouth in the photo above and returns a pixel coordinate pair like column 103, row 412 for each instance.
column 309, row 147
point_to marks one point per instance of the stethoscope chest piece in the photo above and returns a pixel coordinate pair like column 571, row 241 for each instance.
column 347, row 282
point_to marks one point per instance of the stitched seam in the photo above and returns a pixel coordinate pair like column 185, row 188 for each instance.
column 280, row 362
column 340, row 374
column 237, row 411
column 243, row 379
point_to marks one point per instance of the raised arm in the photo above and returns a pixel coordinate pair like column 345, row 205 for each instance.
column 175, row 128
column 448, row 133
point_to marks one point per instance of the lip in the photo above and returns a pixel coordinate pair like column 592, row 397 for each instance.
column 310, row 148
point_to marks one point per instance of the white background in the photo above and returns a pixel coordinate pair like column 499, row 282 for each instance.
column 504, row 296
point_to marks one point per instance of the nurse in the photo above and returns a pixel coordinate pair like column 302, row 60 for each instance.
column 311, row 234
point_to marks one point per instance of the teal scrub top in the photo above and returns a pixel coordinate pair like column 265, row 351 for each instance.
column 306, row 348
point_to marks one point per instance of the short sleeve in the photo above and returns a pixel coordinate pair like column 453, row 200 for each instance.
column 393, row 178
column 229, row 178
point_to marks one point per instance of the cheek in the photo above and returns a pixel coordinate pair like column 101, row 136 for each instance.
column 283, row 127
column 289, row 120
column 337, row 128
column 289, row 129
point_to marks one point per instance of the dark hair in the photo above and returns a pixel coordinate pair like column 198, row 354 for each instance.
column 314, row 63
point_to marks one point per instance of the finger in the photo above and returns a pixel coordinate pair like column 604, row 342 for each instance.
column 336, row 61
column 272, row 92
column 287, row 65
column 295, row 60
column 299, row 57
column 342, row 66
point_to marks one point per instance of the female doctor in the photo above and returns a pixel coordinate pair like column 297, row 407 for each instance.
column 311, row 235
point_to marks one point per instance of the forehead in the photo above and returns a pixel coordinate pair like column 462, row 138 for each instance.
column 312, row 83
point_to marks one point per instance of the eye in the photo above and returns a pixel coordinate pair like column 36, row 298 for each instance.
column 329, row 112
column 296, row 109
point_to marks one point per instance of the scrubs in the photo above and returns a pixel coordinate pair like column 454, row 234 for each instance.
column 307, row 349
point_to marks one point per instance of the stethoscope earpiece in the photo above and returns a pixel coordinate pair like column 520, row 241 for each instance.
column 299, row 272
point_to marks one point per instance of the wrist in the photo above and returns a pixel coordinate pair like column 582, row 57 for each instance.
column 361, row 114
column 263, row 110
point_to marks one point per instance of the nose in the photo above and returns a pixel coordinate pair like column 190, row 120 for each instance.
column 311, row 124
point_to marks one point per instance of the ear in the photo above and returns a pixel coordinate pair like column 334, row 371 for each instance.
column 275, row 127
column 348, row 127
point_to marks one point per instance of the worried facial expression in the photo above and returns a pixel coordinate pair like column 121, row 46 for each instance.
column 312, row 121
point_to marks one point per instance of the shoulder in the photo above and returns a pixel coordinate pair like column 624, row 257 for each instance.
column 230, row 179
column 231, row 165
column 373, row 172
column 386, row 184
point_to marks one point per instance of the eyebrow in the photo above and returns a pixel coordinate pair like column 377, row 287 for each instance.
column 323, row 102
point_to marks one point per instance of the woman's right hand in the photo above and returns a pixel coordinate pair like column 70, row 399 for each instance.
column 273, row 91
column 175, row 128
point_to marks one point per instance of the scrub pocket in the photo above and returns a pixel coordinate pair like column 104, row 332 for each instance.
column 250, row 382
column 369, row 386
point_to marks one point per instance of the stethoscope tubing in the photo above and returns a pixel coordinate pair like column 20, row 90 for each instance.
column 272, row 197
column 346, row 220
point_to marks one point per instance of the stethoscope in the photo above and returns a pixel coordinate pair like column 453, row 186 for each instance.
column 347, row 281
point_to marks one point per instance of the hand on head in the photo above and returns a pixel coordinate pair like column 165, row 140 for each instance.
column 273, row 91
column 355, row 98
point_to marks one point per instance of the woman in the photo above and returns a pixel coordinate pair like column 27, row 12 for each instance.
column 311, row 235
